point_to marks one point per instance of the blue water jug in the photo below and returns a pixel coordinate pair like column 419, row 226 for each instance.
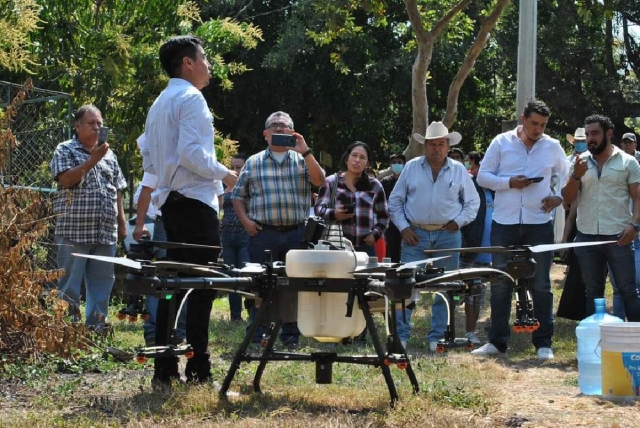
column 589, row 353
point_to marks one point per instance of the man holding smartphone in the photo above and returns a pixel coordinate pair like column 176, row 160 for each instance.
column 522, row 216
column 272, row 199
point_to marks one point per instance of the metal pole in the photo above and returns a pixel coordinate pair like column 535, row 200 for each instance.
column 527, row 45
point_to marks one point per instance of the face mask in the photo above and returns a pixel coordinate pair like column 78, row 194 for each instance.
column 396, row 168
column 580, row 146
column 467, row 165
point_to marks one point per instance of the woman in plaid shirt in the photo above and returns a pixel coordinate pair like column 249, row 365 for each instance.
column 360, row 205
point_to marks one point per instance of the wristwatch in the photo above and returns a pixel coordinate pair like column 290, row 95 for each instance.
column 635, row 225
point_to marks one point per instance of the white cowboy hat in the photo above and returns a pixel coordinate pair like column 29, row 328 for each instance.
column 580, row 134
column 438, row 130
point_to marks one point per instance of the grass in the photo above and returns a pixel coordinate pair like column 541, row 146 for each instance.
column 457, row 390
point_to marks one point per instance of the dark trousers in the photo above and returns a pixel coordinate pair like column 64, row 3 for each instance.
column 189, row 221
column 394, row 243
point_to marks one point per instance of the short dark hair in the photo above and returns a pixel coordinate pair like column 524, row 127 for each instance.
column 79, row 114
column 174, row 50
column 604, row 122
column 398, row 156
column 475, row 157
column 535, row 106
column 240, row 156
column 458, row 151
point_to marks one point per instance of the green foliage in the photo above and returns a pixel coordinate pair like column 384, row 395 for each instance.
column 18, row 21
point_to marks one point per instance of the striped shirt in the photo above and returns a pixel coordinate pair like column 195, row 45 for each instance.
column 177, row 146
column 370, row 209
column 277, row 194
column 87, row 213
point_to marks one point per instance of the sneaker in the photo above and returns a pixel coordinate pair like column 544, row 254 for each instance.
column 545, row 354
column 433, row 346
column 471, row 336
column 487, row 349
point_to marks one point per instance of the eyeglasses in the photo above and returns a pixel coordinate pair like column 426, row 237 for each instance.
column 278, row 125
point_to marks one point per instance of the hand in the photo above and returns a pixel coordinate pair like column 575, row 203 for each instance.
column 140, row 232
column 452, row 226
column 370, row 240
column 579, row 167
column 342, row 214
column 409, row 237
column 98, row 152
column 627, row 236
column 550, row 203
column 301, row 144
column 230, row 179
column 122, row 231
column 519, row 182
column 252, row 227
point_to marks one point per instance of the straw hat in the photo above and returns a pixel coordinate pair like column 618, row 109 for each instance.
column 580, row 134
column 438, row 130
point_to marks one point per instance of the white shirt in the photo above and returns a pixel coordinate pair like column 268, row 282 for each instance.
column 179, row 146
column 416, row 198
column 151, row 181
column 507, row 156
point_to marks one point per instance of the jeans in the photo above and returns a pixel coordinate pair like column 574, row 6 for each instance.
column 191, row 221
column 621, row 260
column 279, row 243
column 539, row 286
column 151, row 302
column 430, row 241
column 618, row 302
column 235, row 252
column 98, row 278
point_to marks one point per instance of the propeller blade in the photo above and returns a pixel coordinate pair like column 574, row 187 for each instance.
column 464, row 275
column 116, row 260
column 420, row 262
column 177, row 245
column 556, row 247
column 381, row 268
column 491, row 250
column 252, row 268
column 188, row 268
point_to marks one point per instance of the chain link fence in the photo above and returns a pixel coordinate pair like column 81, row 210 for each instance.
column 43, row 120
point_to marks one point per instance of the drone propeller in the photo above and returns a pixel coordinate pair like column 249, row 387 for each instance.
column 175, row 245
column 382, row 267
column 188, row 268
column 465, row 275
column 116, row 260
column 420, row 262
column 534, row 248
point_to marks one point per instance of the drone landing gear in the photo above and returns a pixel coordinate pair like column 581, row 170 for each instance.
column 324, row 360
column 525, row 322
column 450, row 341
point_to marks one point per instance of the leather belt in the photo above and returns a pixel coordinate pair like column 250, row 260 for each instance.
column 428, row 227
column 280, row 228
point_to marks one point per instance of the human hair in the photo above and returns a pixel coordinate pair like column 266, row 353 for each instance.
column 475, row 157
column 174, row 50
column 535, row 106
column 79, row 114
column 604, row 122
column 398, row 156
column 458, row 151
column 363, row 182
column 277, row 115
column 240, row 156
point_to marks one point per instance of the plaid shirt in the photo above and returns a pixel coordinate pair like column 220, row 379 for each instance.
column 277, row 194
column 87, row 213
column 370, row 209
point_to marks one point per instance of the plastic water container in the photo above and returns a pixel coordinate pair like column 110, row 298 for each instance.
column 589, row 351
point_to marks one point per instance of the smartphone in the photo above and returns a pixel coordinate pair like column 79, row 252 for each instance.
column 348, row 208
column 284, row 140
column 103, row 135
column 536, row 179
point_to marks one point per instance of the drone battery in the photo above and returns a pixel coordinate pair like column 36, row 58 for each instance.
column 324, row 367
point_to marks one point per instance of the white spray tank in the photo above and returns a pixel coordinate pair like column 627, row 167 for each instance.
column 323, row 315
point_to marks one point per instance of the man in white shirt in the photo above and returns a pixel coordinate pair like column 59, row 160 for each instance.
column 433, row 198
column 180, row 151
column 512, row 166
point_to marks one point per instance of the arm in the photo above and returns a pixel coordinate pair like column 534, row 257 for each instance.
column 141, row 212
column 573, row 182
column 316, row 173
column 122, row 222
column 240, row 207
column 73, row 176
column 381, row 211
column 470, row 204
column 570, row 222
column 488, row 173
column 322, row 208
column 629, row 232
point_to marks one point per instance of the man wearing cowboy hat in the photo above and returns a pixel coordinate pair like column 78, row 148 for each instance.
column 579, row 142
column 522, row 216
column 433, row 198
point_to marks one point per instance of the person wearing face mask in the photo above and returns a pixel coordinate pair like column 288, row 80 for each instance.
column 392, row 235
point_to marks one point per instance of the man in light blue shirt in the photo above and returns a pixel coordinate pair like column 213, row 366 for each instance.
column 433, row 198
column 179, row 149
column 518, row 166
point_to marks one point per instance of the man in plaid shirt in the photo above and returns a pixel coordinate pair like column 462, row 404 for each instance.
column 89, row 215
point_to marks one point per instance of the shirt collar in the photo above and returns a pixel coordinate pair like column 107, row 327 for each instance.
column 426, row 164
column 178, row 81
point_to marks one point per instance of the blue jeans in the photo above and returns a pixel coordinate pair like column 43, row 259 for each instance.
column 279, row 243
column 438, row 239
column 539, row 286
column 235, row 252
column 98, row 278
column 618, row 302
column 621, row 260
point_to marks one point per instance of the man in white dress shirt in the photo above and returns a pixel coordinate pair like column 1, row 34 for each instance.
column 433, row 198
column 522, row 216
column 180, row 151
